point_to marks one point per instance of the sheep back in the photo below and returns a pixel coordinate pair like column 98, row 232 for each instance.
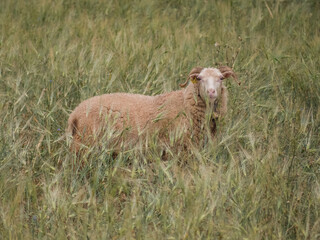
column 134, row 114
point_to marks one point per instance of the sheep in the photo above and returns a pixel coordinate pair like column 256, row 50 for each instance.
column 124, row 117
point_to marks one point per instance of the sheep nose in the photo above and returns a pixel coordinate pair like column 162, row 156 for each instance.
column 211, row 90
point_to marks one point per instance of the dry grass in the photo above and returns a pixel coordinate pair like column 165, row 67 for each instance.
column 258, row 180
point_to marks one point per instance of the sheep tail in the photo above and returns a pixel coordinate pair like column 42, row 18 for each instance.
column 73, row 126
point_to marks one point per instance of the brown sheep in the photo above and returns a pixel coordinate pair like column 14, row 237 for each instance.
column 125, row 118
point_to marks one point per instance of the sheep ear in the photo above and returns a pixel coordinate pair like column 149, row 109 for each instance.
column 193, row 79
column 228, row 72
column 192, row 76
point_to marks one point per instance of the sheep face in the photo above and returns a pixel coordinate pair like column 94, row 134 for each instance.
column 210, row 84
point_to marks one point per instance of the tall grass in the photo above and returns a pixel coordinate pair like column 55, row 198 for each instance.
column 259, row 179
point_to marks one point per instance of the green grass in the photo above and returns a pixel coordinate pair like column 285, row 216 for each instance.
column 260, row 178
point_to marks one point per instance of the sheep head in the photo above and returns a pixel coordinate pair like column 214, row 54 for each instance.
column 209, row 81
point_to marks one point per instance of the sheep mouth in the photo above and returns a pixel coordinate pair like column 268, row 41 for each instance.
column 211, row 101
column 212, row 97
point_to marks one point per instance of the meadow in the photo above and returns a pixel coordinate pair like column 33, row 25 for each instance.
column 259, row 178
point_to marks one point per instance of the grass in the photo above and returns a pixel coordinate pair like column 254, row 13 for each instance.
column 260, row 179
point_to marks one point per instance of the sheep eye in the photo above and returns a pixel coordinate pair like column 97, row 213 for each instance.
column 198, row 78
column 221, row 78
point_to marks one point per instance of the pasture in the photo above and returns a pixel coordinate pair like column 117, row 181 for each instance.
column 259, row 179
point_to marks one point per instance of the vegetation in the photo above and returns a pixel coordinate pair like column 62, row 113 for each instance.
column 259, row 179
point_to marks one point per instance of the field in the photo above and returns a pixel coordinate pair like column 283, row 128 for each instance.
column 260, row 177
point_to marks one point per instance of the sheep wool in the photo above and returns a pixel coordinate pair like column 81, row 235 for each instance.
column 125, row 118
